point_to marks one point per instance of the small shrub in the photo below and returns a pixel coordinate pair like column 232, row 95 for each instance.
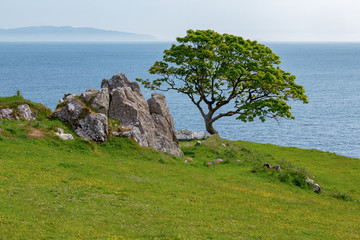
column 293, row 175
column 342, row 196
column 289, row 174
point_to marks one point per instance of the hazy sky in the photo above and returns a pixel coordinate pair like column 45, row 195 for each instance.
column 263, row 20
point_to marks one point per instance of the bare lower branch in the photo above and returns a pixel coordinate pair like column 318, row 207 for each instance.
column 228, row 114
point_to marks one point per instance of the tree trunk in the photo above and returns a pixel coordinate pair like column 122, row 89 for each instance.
column 209, row 127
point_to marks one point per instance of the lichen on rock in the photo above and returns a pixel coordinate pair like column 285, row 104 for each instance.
column 148, row 122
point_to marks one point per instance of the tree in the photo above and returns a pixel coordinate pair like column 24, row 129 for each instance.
column 215, row 70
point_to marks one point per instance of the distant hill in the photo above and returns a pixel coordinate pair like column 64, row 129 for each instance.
column 69, row 34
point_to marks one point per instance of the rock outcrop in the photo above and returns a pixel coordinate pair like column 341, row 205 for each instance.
column 23, row 112
column 71, row 110
column 85, row 123
column 148, row 122
column 7, row 113
column 26, row 112
column 85, row 96
column 186, row 135
column 164, row 125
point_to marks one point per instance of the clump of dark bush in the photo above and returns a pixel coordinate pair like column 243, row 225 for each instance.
column 342, row 196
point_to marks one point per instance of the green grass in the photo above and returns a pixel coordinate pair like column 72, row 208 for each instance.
column 76, row 189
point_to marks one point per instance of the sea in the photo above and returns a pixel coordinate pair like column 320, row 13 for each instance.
column 329, row 72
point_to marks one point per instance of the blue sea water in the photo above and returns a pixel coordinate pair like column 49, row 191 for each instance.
column 330, row 73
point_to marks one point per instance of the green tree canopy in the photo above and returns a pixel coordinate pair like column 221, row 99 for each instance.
column 215, row 70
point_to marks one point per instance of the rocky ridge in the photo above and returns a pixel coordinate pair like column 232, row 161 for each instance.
column 148, row 122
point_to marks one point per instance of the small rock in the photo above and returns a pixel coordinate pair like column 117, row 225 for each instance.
column 26, row 112
column 115, row 134
column 277, row 168
column 200, row 135
column 316, row 188
column 5, row 113
column 70, row 96
column 223, row 144
column 215, row 161
column 93, row 126
column 198, row 143
column 60, row 130
column 267, row 165
column 126, row 134
column 188, row 159
column 309, row 180
column 87, row 95
column 62, row 135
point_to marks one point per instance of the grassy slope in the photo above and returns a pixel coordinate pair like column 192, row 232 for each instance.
column 336, row 173
column 54, row 189
column 39, row 109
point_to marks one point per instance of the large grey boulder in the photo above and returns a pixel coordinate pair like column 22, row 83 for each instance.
column 85, row 124
column 166, row 140
column 132, row 111
column 316, row 187
column 71, row 111
column 101, row 101
column 26, row 112
column 22, row 111
column 93, row 126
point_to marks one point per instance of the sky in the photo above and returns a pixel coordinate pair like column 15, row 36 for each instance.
column 262, row 20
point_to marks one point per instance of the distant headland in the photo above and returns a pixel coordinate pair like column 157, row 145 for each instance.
column 70, row 34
